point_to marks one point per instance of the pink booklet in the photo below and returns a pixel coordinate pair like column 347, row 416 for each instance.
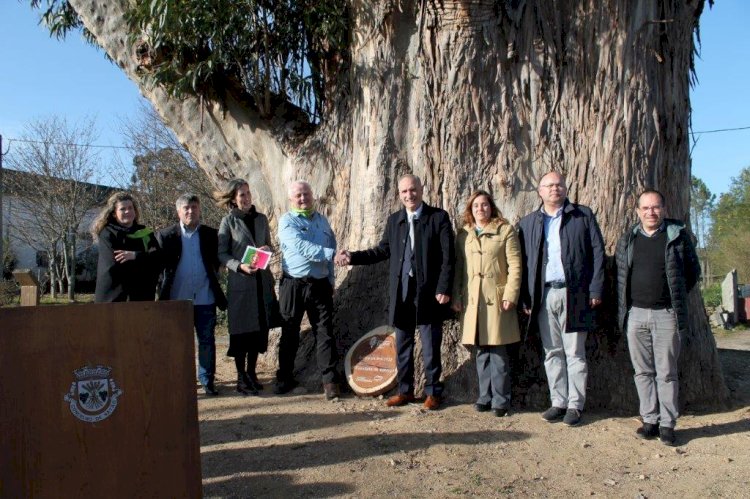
column 256, row 257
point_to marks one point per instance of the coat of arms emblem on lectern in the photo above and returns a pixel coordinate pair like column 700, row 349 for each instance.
column 93, row 394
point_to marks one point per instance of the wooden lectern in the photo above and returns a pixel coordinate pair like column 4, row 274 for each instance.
column 98, row 400
column 29, row 287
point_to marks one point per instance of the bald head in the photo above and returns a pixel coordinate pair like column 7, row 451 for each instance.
column 553, row 191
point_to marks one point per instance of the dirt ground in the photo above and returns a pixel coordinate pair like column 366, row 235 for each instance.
column 300, row 445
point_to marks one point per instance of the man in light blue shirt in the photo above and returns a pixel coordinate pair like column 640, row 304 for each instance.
column 554, row 269
column 308, row 247
column 563, row 275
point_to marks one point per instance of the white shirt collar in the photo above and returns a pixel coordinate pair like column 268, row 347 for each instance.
column 187, row 232
column 415, row 214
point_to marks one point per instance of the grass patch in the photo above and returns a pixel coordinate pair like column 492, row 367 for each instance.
column 63, row 299
column 738, row 328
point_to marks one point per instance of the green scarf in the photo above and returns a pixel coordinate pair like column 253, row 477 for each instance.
column 305, row 213
column 142, row 234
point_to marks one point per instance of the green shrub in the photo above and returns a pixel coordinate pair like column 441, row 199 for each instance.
column 9, row 261
column 9, row 292
column 712, row 295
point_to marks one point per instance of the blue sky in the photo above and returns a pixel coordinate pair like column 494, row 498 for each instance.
column 42, row 76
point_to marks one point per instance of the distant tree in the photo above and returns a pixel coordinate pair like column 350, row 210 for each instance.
column 730, row 229
column 164, row 169
column 702, row 203
column 54, row 192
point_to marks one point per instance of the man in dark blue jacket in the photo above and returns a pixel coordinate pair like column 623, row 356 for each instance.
column 418, row 240
column 563, row 280
column 656, row 268
column 191, row 264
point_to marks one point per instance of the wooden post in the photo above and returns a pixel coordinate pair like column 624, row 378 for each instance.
column 99, row 400
column 29, row 287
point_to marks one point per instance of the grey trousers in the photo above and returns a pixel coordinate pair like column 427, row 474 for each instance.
column 493, row 370
column 564, row 353
column 654, row 344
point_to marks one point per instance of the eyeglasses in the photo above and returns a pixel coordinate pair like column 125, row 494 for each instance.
column 550, row 186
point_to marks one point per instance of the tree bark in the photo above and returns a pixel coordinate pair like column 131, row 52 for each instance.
column 475, row 94
column 71, row 260
column 52, row 272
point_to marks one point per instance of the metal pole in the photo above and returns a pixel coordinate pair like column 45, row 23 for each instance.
column 2, row 232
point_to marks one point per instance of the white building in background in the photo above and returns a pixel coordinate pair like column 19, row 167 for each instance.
column 17, row 220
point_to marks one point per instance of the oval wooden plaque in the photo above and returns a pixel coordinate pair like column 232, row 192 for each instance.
column 371, row 363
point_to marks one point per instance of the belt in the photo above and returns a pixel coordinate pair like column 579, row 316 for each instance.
column 304, row 279
column 555, row 284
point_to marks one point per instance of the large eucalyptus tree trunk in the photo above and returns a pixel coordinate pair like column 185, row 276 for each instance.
column 474, row 94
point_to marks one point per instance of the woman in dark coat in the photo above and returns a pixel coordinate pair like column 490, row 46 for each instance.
column 128, row 264
column 249, row 290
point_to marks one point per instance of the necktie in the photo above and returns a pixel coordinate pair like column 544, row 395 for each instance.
column 407, row 269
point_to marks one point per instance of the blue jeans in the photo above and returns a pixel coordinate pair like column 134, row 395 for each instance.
column 204, row 317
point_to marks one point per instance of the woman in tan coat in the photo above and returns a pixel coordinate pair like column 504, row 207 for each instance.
column 486, row 288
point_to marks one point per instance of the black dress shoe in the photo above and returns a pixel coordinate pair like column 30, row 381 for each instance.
column 210, row 390
column 282, row 387
column 553, row 414
column 648, row 431
column 501, row 413
column 572, row 417
column 255, row 383
column 481, row 407
column 243, row 388
column 666, row 435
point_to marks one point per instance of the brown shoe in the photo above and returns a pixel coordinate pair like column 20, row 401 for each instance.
column 432, row 402
column 400, row 399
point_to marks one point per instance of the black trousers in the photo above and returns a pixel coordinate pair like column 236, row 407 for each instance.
column 314, row 296
column 432, row 337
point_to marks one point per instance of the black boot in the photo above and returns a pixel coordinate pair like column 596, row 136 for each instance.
column 244, row 386
column 252, row 360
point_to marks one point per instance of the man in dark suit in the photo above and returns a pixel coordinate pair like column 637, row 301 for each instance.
column 418, row 240
column 191, row 263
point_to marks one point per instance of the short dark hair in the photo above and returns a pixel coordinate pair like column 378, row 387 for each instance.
column 651, row 191
column 187, row 198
